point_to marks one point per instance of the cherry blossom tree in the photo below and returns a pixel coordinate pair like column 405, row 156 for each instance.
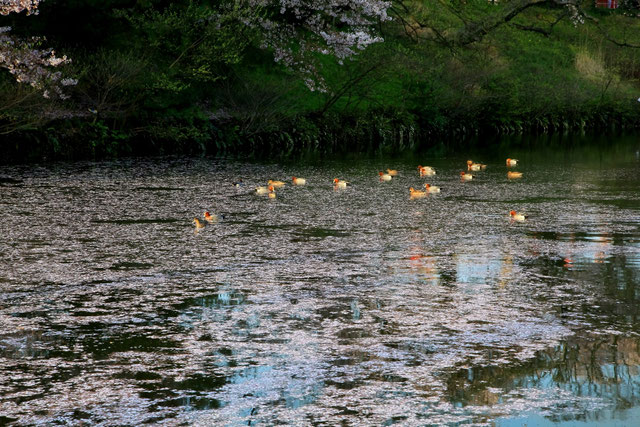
column 26, row 60
column 298, row 30
column 17, row 6
column 299, row 33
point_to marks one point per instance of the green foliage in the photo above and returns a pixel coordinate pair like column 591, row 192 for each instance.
column 158, row 77
column 110, row 82
column 194, row 42
column 103, row 140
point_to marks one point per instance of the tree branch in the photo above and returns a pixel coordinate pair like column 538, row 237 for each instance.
column 606, row 34
column 476, row 30
column 346, row 86
column 538, row 30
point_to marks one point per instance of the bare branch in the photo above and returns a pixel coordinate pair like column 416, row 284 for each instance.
column 348, row 85
column 608, row 36
column 475, row 31
column 538, row 30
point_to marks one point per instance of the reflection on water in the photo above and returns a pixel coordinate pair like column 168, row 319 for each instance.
column 586, row 376
column 358, row 306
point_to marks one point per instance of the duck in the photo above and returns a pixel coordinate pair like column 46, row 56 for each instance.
column 517, row 217
column 298, row 181
column 199, row 224
column 272, row 192
column 512, row 175
column 392, row 172
column 276, row 184
column 512, row 162
column 431, row 188
column 339, row 183
column 472, row 166
column 262, row 190
column 384, row 176
column 426, row 171
column 466, row 176
column 475, row 166
column 415, row 194
column 210, row 218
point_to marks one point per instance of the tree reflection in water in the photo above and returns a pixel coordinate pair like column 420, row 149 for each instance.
column 602, row 361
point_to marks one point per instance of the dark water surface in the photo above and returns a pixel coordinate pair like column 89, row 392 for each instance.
column 322, row 307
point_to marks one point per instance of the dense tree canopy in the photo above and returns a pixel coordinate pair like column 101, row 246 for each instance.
column 205, row 36
column 195, row 71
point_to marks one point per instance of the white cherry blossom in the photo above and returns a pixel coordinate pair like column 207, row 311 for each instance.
column 301, row 28
column 27, row 62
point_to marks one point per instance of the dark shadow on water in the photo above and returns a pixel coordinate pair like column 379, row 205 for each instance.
column 138, row 375
column 315, row 233
column 130, row 266
column 145, row 189
column 103, row 346
column 618, row 203
column 137, row 221
column 169, row 392
column 596, row 237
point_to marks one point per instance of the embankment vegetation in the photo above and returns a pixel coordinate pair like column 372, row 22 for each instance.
column 199, row 77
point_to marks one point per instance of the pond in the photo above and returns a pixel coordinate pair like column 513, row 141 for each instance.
column 323, row 306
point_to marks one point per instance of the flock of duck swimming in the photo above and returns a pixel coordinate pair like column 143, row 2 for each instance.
column 270, row 189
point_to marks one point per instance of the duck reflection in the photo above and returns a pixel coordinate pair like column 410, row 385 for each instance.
column 424, row 266
column 506, row 271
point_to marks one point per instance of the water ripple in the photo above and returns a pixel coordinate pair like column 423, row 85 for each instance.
column 358, row 306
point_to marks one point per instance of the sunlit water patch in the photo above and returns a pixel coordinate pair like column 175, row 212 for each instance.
column 323, row 305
